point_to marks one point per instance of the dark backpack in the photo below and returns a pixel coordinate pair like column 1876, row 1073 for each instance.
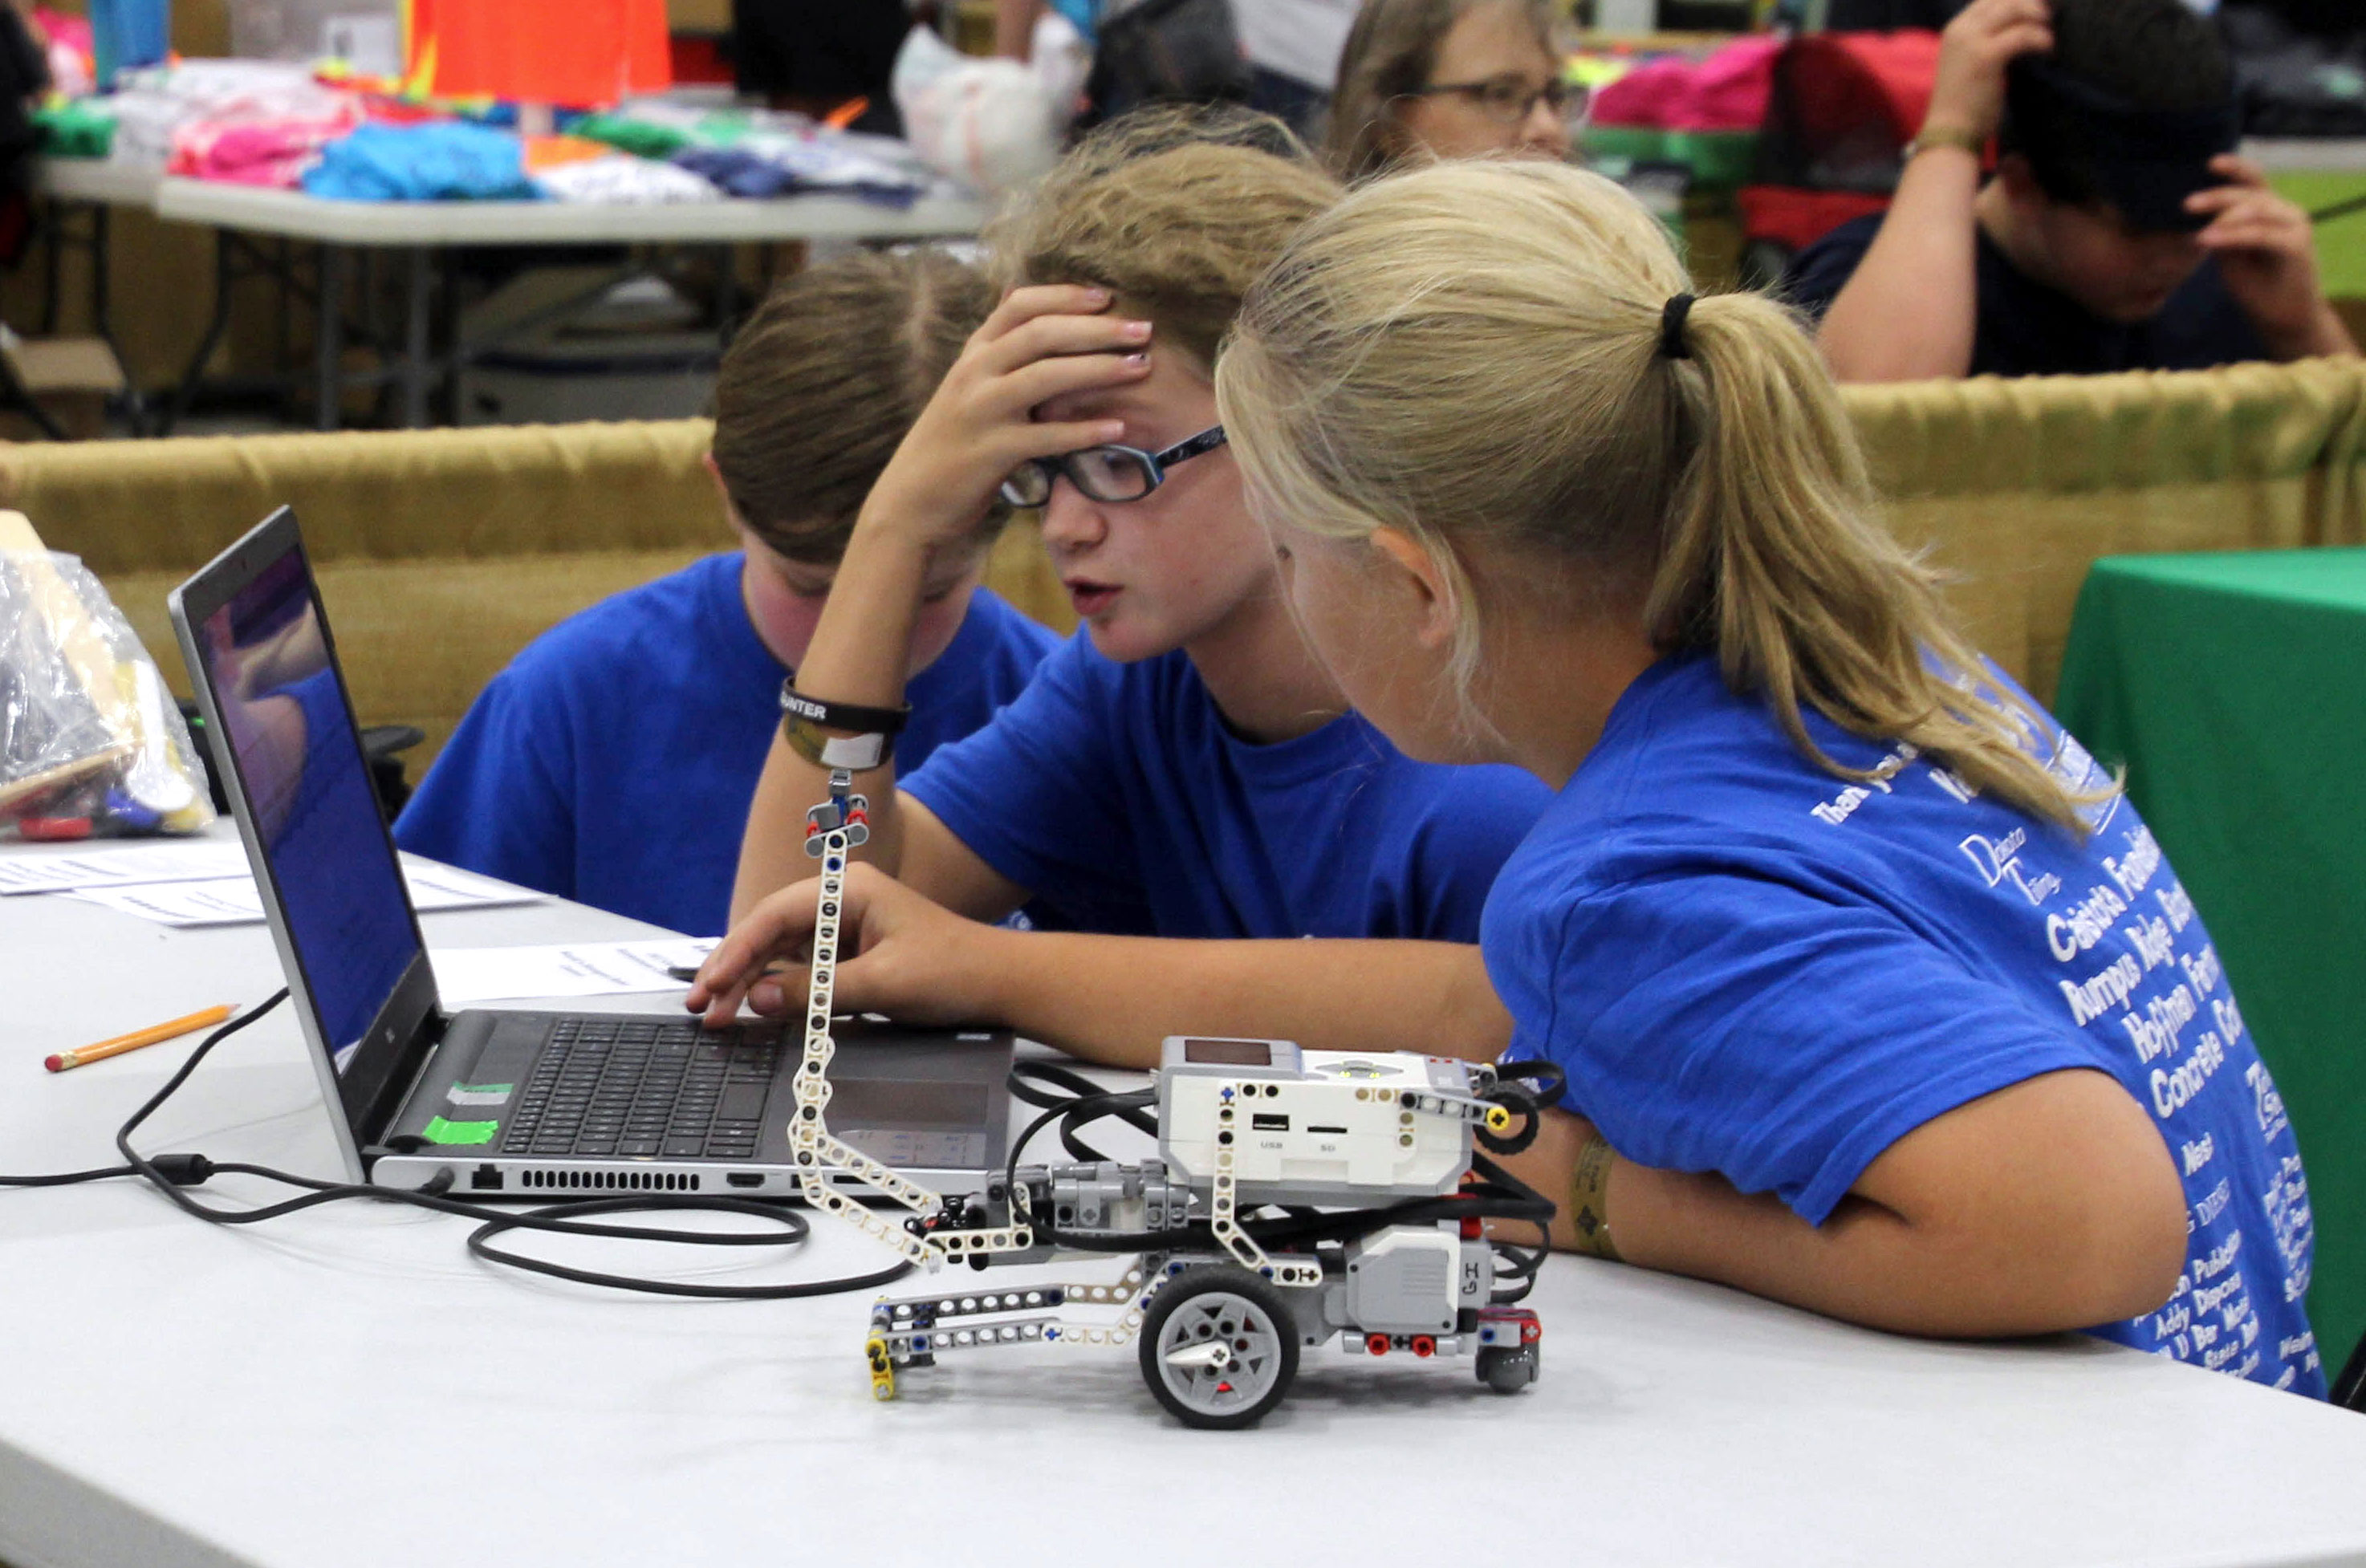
column 24, row 76
column 1167, row 52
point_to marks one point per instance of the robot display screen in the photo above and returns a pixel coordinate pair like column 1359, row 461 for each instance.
column 1228, row 1052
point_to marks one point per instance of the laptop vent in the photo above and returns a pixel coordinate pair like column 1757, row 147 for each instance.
column 588, row 1181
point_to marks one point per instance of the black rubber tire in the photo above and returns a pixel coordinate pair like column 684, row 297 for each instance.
column 1206, row 1299
column 1505, row 1368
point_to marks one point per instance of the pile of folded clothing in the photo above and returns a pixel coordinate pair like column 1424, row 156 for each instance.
column 762, row 153
column 152, row 107
column 255, row 151
column 334, row 135
column 574, row 168
column 434, row 161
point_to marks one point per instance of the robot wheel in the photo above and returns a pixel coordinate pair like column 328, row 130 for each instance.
column 1219, row 1348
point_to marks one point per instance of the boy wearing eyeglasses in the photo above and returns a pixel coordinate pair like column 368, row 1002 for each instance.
column 1184, row 767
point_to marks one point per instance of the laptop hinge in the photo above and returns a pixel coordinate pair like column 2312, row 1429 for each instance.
column 420, row 1048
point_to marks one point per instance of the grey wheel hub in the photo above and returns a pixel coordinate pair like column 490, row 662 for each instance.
column 1220, row 1353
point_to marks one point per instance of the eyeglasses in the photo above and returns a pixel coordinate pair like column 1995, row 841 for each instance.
column 1105, row 473
column 1509, row 100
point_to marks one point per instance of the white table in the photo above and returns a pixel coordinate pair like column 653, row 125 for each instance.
column 347, row 1387
column 99, row 180
column 2289, row 154
column 423, row 235
column 293, row 215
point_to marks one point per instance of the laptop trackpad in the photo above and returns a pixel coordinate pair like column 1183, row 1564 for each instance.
column 909, row 1121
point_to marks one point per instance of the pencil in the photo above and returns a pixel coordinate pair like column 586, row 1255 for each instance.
column 136, row 1038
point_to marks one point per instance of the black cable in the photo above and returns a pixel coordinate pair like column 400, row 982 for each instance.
column 1022, row 1087
column 322, row 1193
column 1128, row 1107
column 1083, row 1094
column 169, row 1173
column 67, row 1177
column 480, row 1243
column 1531, row 1087
column 1526, row 1262
column 1078, row 1086
column 2342, row 209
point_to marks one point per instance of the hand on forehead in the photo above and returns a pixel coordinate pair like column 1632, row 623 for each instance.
column 1174, row 400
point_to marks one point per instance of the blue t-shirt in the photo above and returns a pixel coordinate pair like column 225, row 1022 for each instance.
column 1750, row 967
column 1117, row 792
column 613, row 761
column 2020, row 327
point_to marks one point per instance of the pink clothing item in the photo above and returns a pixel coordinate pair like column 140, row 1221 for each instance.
column 63, row 27
column 1726, row 91
column 1731, row 87
column 1641, row 97
column 266, row 152
column 72, row 69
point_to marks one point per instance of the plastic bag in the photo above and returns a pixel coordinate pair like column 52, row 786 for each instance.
column 993, row 124
column 91, row 743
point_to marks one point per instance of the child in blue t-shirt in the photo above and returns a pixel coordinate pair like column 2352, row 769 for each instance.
column 1872, row 992
column 612, row 761
column 1184, row 767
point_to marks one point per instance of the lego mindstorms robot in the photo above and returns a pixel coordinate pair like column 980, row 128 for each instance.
column 1296, row 1195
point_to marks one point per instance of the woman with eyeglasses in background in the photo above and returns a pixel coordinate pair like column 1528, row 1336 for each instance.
column 1450, row 79
column 1183, row 767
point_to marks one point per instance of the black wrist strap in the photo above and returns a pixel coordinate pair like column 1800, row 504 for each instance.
column 849, row 717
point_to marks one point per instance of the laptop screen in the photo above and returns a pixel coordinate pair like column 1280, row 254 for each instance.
column 299, row 761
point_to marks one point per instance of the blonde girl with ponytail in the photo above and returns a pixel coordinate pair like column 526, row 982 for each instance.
column 1872, row 993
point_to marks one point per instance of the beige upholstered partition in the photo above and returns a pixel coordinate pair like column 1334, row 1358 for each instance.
column 440, row 553
column 2015, row 487
column 443, row 552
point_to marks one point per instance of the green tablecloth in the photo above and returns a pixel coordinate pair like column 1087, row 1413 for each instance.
column 2340, row 242
column 2233, row 688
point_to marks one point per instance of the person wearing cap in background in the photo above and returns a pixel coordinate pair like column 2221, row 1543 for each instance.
column 2120, row 231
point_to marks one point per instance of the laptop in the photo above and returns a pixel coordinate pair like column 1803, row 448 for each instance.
column 512, row 1104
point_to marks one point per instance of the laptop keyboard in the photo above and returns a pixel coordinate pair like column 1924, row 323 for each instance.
column 613, row 1085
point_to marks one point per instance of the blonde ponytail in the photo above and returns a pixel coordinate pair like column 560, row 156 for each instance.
column 1472, row 355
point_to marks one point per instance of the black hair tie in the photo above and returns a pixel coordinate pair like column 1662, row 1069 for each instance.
column 1672, row 327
